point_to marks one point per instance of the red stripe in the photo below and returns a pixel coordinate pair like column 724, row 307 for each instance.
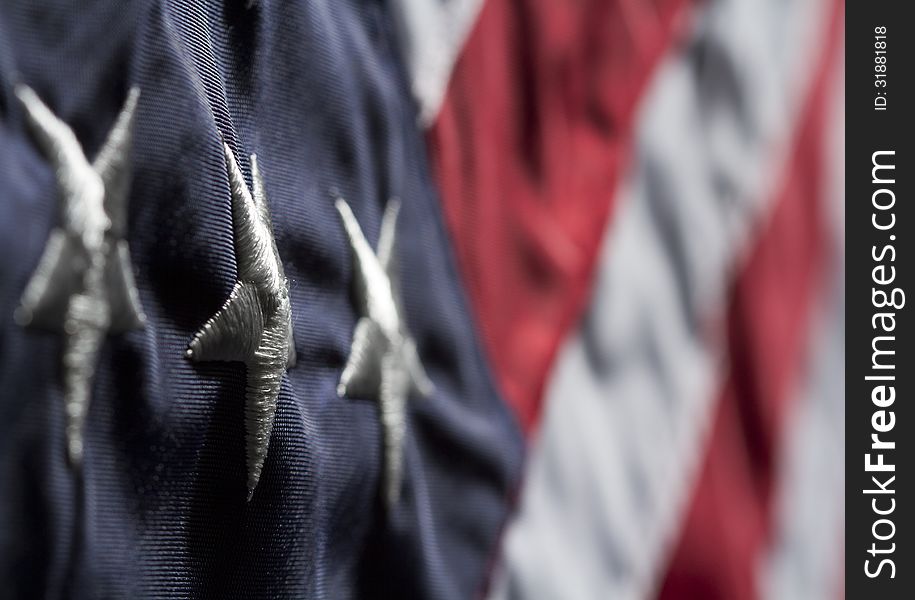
column 527, row 151
column 731, row 514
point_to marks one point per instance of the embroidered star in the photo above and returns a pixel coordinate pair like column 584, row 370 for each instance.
column 254, row 326
column 383, row 363
column 83, row 285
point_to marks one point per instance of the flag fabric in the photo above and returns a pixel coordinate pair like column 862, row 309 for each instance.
column 564, row 286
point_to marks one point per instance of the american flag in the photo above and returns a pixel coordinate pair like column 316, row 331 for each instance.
column 598, row 352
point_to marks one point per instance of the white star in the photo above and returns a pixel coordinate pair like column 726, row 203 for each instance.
column 254, row 326
column 83, row 285
column 383, row 361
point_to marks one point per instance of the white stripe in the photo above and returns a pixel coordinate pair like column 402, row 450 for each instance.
column 630, row 399
column 807, row 555
column 432, row 34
